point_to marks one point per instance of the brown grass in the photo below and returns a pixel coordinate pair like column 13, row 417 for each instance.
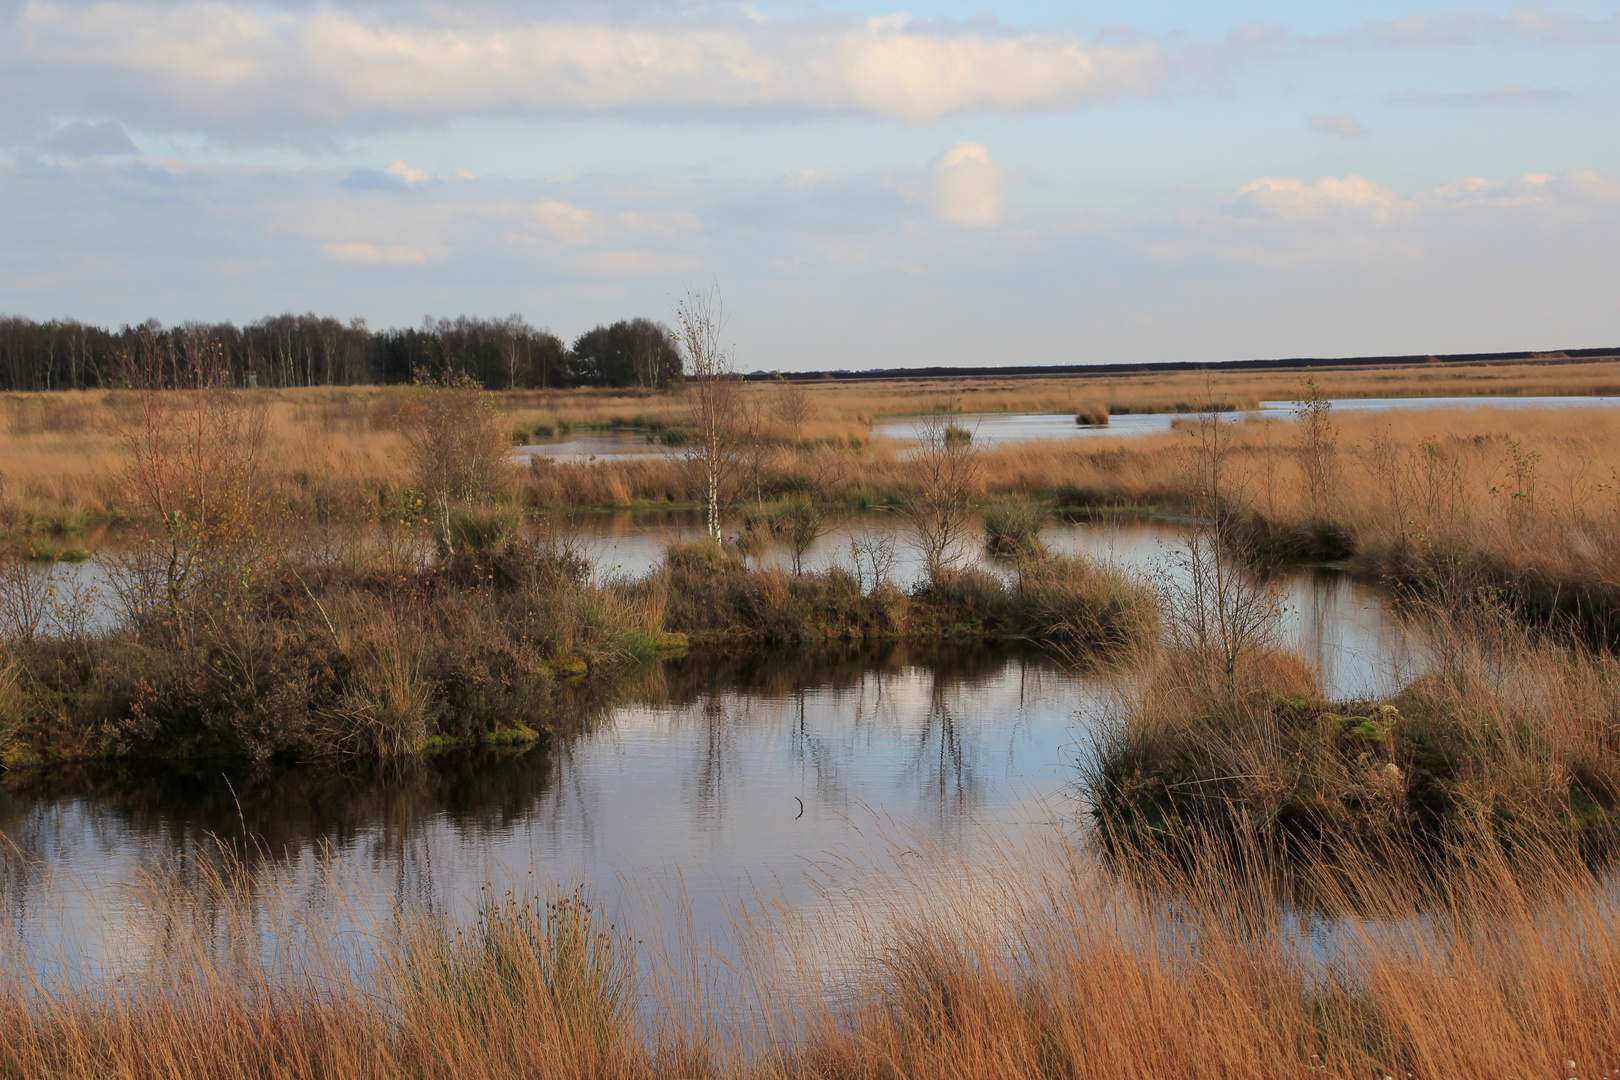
column 60, row 449
column 1525, row 498
column 1029, row 960
column 1506, row 736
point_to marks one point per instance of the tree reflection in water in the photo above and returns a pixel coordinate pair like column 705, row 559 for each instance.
column 707, row 752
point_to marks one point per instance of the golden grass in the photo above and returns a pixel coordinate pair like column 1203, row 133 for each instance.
column 1029, row 959
column 1533, row 493
column 1069, row 393
column 1506, row 735
column 61, row 450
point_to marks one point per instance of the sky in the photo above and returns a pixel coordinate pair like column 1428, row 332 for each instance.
column 868, row 185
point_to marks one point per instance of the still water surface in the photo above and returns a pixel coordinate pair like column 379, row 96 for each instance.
column 993, row 428
column 723, row 773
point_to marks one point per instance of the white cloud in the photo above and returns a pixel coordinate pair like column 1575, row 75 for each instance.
column 566, row 222
column 1341, row 124
column 374, row 253
column 80, row 138
column 659, row 222
column 1294, row 199
column 641, row 264
column 967, row 184
column 405, row 172
column 1588, row 185
column 250, row 74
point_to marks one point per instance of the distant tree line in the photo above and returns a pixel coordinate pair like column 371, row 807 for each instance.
column 309, row 350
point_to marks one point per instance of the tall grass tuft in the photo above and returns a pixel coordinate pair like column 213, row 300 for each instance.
column 1092, row 414
column 1506, row 738
column 541, row 968
column 1013, row 527
column 476, row 532
column 1080, row 606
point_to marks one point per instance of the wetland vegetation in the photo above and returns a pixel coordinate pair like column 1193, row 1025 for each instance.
column 322, row 582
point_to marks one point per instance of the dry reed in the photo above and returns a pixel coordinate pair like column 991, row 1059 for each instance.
column 1026, row 959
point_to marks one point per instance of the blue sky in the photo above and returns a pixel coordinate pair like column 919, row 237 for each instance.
column 870, row 185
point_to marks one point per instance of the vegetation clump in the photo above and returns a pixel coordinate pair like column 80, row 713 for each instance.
column 1092, row 414
column 1014, row 528
column 1506, row 735
column 1065, row 602
column 365, row 658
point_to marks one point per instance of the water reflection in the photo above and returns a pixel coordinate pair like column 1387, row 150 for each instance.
column 718, row 770
column 724, row 769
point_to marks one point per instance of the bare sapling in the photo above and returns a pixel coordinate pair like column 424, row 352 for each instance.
column 26, row 600
column 871, row 560
column 458, row 450
column 757, row 451
column 791, row 407
column 1521, row 478
column 1318, row 446
column 713, row 395
column 939, row 509
column 193, row 447
column 1216, row 608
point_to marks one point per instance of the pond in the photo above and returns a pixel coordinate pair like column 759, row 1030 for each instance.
column 994, row 428
column 722, row 773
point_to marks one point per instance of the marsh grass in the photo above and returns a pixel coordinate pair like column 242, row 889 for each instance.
column 375, row 652
column 528, row 963
column 1028, row 958
column 1092, row 414
column 1444, row 501
column 1506, row 736
column 341, row 447
column 1013, row 527
column 1068, row 603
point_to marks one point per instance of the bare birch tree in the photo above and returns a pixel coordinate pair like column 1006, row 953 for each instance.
column 1318, row 445
column 193, row 447
column 1217, row 608
column 700, row 321
column 939, row 510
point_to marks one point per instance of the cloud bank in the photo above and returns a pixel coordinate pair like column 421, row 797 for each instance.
column 253, row 75
column 856, row 270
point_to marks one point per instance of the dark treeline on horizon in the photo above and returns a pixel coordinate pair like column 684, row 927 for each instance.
column 311, row 350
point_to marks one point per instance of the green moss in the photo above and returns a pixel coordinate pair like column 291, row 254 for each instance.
column 569, row 667
column 521, row 736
